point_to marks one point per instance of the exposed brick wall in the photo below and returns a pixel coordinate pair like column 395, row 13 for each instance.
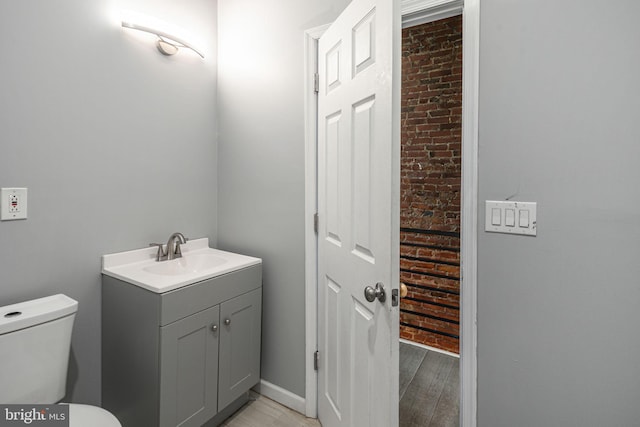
column 430, row 180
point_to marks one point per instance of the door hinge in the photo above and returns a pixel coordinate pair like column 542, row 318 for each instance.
column 316, row 358
column 316, row 222
column 316, row 83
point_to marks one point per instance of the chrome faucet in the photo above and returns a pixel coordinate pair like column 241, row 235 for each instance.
column 172, row 250
column 173, row 245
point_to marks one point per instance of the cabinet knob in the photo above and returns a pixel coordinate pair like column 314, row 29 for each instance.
column 214, row 328
column 227, row 321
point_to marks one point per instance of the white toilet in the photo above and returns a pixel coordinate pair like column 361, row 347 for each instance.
column 35, row 339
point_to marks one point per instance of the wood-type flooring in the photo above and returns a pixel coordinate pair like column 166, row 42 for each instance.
column 429, row 388
column 429, row 396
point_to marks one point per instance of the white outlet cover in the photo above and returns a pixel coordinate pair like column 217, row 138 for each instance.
column 20, row 210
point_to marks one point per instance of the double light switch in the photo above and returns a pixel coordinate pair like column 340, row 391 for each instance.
column 511, row 217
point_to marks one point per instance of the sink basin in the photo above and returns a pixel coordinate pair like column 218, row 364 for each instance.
column 199, row 262
column 188, row 264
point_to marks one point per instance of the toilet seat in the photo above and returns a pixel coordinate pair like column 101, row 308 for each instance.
column 87, row 415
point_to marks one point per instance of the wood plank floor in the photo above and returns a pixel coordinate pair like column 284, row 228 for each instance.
column 429, row 388
column 429, row 396
column 264, row 412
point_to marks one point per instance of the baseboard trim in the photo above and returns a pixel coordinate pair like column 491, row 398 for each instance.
column 282, row 396
column 437, row 350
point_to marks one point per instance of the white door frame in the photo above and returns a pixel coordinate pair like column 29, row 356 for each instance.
column 414, row 12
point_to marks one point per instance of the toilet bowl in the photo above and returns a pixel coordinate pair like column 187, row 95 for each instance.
column 87, row 415
column 29, row 330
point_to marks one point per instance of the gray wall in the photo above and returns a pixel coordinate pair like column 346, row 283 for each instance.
column 558, row 314
column 116, row 143
column 261, row 189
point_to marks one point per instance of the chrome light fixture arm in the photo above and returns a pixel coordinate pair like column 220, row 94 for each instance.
column 167, row 42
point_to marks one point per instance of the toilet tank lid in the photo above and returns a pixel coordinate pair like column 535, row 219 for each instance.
column 34, row 312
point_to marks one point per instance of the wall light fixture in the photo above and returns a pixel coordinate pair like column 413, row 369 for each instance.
column 167, row 43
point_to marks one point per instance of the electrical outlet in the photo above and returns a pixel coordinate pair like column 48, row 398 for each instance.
column 13, row 203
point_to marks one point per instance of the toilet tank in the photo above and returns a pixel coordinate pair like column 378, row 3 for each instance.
column 35, row 339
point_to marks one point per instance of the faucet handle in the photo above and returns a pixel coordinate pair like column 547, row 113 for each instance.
column 160, row 255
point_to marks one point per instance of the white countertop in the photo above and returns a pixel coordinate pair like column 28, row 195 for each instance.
column 133, row 266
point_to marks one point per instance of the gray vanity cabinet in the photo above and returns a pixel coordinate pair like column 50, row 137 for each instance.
column 189, row 370
column 240, row 339
column 181, row 358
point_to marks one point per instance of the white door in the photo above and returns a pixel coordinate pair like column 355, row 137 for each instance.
column 358, row 205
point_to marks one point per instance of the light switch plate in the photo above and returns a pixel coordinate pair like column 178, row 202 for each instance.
column 13, row 203
column 511, row 217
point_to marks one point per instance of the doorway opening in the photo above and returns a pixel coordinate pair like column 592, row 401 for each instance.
column 430, row 221
column 413, row 13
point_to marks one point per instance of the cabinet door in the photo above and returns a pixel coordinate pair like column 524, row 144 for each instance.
column 189, row 369
column 240, row 336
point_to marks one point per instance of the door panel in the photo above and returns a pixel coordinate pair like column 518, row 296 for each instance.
column 334, row 182
column 362, row 204
column 333, row 67
column 363, row 43
column 240, row 338
column 332, row 345
column 362, row 363
column 189, row 370
column 358, row 187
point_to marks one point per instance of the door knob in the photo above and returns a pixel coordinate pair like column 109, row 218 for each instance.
column 371, row 293
column 214, row 328
column 403, row 290
column 227, row 321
